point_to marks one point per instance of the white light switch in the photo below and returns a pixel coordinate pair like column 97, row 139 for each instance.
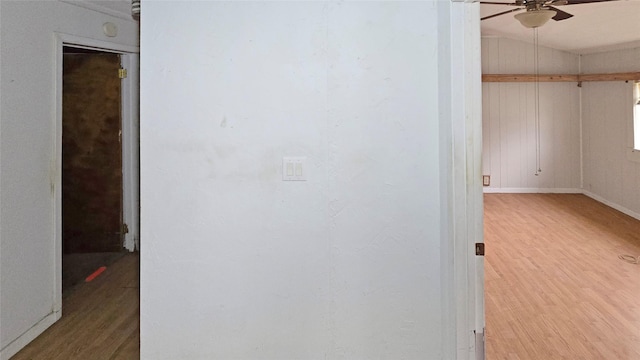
column 294, row 168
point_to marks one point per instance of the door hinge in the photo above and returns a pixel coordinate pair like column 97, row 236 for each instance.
column 122, row 73
column 125, row 228
column 480, row 249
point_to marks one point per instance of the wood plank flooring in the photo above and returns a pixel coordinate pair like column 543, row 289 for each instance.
column 554, row 285
column 555, row 288
column 100, row 319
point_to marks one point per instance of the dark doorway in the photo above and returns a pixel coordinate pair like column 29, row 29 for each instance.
column 92, row 232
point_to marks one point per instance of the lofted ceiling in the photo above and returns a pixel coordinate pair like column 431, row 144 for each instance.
column 595, row 27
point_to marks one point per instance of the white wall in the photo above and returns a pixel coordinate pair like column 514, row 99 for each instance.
column 27, row 133
column 237, row 263
column 509, row 126
column 610, row 173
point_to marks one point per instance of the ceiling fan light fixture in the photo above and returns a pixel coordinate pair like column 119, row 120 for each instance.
column 535, row 18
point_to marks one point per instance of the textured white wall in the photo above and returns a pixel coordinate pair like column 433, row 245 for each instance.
column 237, row 263
column 27, row 132
column 611, row 173
column 509, row 126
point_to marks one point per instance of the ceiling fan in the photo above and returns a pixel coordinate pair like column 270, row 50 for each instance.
column 538, row 12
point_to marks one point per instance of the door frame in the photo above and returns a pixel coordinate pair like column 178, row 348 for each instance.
column 462, row 268
column 130, row 60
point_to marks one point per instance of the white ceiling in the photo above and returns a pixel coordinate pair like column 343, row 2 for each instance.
column 123, row 6
column 117, row 8
column 595, row 27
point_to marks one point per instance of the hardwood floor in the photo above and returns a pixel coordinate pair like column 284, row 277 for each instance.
column 555, row 288
column 554, row 285
column 100, row 319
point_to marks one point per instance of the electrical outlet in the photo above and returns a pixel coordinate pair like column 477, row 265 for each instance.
column 486, row 180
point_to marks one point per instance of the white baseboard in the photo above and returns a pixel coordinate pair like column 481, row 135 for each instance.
column 491, row 190
column 620, row 208
column 29, row 335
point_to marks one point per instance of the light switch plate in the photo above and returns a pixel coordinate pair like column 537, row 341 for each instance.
column 294, row 168
column 486, row 180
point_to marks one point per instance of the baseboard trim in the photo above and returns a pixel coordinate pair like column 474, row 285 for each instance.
column 29, row 335
column 490, row 190
column 620, row 208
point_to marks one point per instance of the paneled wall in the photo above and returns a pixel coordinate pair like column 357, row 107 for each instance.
column 599, row 114
column 509, row 121
column 611, row 172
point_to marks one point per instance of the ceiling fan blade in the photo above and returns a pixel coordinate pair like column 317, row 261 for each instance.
column 498, row 3
column 560, row 15
column 500, row 13
column 577, row 2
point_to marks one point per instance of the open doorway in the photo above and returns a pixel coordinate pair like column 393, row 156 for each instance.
column 96, row 184
column 74, row 305
column 92, row 183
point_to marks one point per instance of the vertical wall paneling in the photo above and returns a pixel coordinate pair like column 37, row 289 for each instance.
column 610, row 175
column 509, row 123
column 585, row 132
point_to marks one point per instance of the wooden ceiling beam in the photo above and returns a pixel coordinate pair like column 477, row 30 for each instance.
column 627, row 76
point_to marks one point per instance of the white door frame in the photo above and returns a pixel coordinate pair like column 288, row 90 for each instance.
column 462, row 267
column 130, row 146
column 131, row 150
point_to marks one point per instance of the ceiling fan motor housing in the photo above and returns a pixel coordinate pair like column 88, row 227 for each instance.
column 538, row 10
